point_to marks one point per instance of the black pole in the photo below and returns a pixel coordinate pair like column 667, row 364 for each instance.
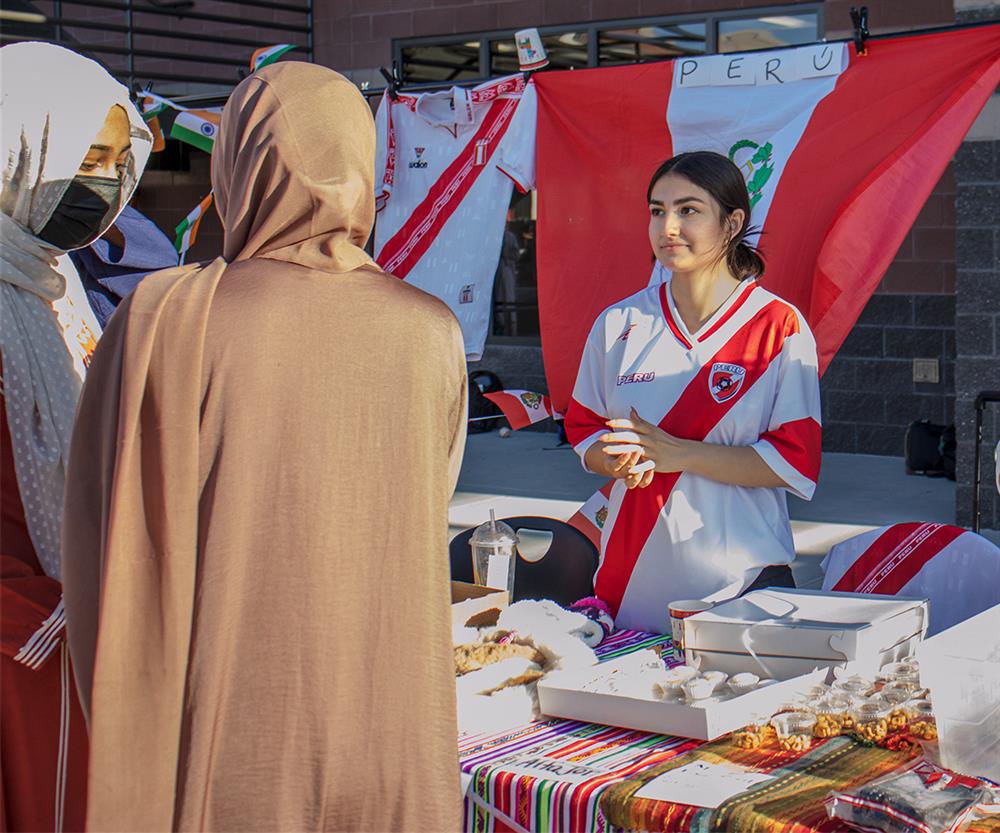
column 981, row 400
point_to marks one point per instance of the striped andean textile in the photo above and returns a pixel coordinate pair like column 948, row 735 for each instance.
column 791, row 803
column 550, row 775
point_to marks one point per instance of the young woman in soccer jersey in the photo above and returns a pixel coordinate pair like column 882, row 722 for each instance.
column 709, row 386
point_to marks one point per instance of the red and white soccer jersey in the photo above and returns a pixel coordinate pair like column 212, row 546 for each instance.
column 957, row 570
column 445, row 164
column 748, row 377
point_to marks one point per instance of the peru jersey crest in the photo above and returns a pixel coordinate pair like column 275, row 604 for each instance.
column 724, row 380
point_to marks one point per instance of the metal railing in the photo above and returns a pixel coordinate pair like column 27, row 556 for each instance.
column 191, row 42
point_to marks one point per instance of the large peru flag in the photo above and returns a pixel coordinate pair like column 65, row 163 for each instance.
column 840, row 152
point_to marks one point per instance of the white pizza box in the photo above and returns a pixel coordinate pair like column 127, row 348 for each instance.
column 783, row 633
column 469, row 599
column 561, row 694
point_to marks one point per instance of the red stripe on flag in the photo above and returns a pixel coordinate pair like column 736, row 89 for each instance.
column 895, row 557
column 871, row 154
column 799, row 443
column 692, row 417
column 586, row 263
column 669, row 317
column 402, row 251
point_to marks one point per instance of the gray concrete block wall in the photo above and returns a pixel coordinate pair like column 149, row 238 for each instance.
column 977, row 320
column 868, row 392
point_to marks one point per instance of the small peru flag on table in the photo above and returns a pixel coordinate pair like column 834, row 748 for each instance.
column 523, row 407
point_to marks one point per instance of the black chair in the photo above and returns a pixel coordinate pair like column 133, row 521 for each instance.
column 564, row 574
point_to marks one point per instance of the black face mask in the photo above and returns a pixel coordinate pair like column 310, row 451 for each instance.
column 80, row 216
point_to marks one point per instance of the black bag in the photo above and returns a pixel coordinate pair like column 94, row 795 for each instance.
column 929, row 449
column 949, row 448
column 480, row 382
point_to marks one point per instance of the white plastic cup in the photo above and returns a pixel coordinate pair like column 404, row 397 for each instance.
column 679, row 611
column 530, row 52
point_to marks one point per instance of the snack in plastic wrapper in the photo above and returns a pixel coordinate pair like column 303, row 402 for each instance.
column 920, row 798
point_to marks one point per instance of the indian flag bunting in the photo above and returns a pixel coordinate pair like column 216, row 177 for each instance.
column 591, row 517
column 187, row 231
column 151, row 99
column 269, row 54
column 522, row 407
column 197, row 127
column 151, row 107
column 151, row 110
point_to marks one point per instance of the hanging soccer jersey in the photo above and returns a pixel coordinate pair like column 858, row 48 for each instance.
column 446, row 163
column 748, row 377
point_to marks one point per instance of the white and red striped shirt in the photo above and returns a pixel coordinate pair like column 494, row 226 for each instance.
column 748, row 377
column 956, row 570
column 446, row 163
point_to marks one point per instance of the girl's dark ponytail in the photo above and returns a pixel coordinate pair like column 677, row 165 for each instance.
column 743, row 258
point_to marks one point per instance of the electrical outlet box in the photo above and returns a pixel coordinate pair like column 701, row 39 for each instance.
column 926, row 370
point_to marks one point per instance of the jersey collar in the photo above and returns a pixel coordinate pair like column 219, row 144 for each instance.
column 718, row 319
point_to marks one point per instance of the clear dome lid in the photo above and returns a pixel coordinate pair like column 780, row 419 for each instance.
column 494, row 533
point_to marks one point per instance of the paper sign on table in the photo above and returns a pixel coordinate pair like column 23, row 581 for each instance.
column 701, row 784
column 497, row 570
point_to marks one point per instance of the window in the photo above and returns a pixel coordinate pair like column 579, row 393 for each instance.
column 649, row 43
column 515, row 289
column 443, row 62
column 478, row 56
column 747, row 33
column 567, row 50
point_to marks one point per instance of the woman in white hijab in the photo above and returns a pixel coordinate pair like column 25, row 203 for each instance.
column 73, row 149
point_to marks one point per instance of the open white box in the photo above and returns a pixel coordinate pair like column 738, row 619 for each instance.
column 560, row 694
column 783, row 633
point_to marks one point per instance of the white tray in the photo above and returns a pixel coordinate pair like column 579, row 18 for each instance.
column 560, row 694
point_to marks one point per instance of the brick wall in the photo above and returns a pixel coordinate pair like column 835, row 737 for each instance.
column 184, row 56
column 166, row 197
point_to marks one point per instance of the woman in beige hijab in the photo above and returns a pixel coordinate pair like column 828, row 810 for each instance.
column 258, row 602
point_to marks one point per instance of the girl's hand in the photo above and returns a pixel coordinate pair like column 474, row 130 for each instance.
column 667, row 453
column 617, row 465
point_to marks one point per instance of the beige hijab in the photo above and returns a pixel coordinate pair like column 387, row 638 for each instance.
column 293, row 184
column 261, row 168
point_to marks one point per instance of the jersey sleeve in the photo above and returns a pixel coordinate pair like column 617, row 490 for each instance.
column 586, row 414
column 516, row 156
column 382, row 189
column 792, row 444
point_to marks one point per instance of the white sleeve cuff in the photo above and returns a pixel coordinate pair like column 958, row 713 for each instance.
column 796, row 482
column 582, row 447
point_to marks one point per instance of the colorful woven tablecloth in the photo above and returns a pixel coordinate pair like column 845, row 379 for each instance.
column 550, row 775
column 567, row 775
column 791, row 802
